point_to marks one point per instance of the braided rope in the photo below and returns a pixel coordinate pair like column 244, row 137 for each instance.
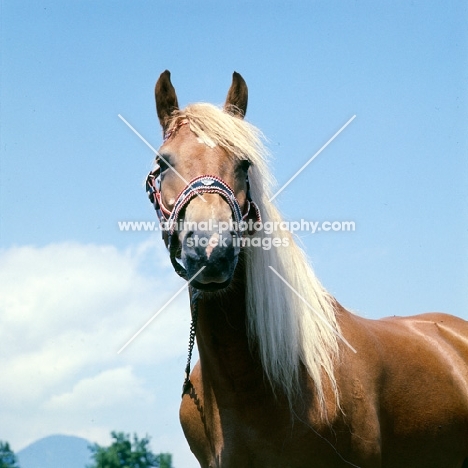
column 195, row 293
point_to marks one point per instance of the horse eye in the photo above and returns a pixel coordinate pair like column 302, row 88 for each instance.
column 245, row 164
column 163, row 164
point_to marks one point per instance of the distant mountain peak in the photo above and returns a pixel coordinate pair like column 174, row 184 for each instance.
column 56, row 451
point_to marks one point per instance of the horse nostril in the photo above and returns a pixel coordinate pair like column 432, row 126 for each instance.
column 192, row 242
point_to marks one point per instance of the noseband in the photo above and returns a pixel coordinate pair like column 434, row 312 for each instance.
column 196, row 187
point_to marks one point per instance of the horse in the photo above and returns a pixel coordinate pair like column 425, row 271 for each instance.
column 286, row 376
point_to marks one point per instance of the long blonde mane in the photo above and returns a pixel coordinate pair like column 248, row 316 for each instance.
column 289, row 323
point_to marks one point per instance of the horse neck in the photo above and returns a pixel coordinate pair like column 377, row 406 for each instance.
column 227, row 360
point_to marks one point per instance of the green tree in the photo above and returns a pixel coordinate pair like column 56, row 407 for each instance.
column 7, row 457
column 123, row 453
column 165, row 460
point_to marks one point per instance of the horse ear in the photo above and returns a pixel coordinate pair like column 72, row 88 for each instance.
column 166, row 98
column 236, row 101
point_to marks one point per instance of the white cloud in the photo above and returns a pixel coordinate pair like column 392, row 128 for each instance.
column 65, row 311
column 108, row 388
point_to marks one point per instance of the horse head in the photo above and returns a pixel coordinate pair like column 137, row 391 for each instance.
column 201, row 189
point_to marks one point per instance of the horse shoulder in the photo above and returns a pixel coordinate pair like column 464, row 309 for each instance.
column 415, row 371
column 357, row 376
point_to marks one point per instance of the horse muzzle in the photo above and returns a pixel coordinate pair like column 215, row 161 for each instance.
column 210, row 258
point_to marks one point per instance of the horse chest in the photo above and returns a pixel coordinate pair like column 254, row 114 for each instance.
column 228, row 436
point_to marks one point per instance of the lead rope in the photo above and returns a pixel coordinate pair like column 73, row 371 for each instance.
column 193, row 328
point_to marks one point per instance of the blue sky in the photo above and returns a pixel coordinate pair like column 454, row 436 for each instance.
column 70, row 170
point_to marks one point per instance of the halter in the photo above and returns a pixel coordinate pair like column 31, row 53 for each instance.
column 197, row 186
